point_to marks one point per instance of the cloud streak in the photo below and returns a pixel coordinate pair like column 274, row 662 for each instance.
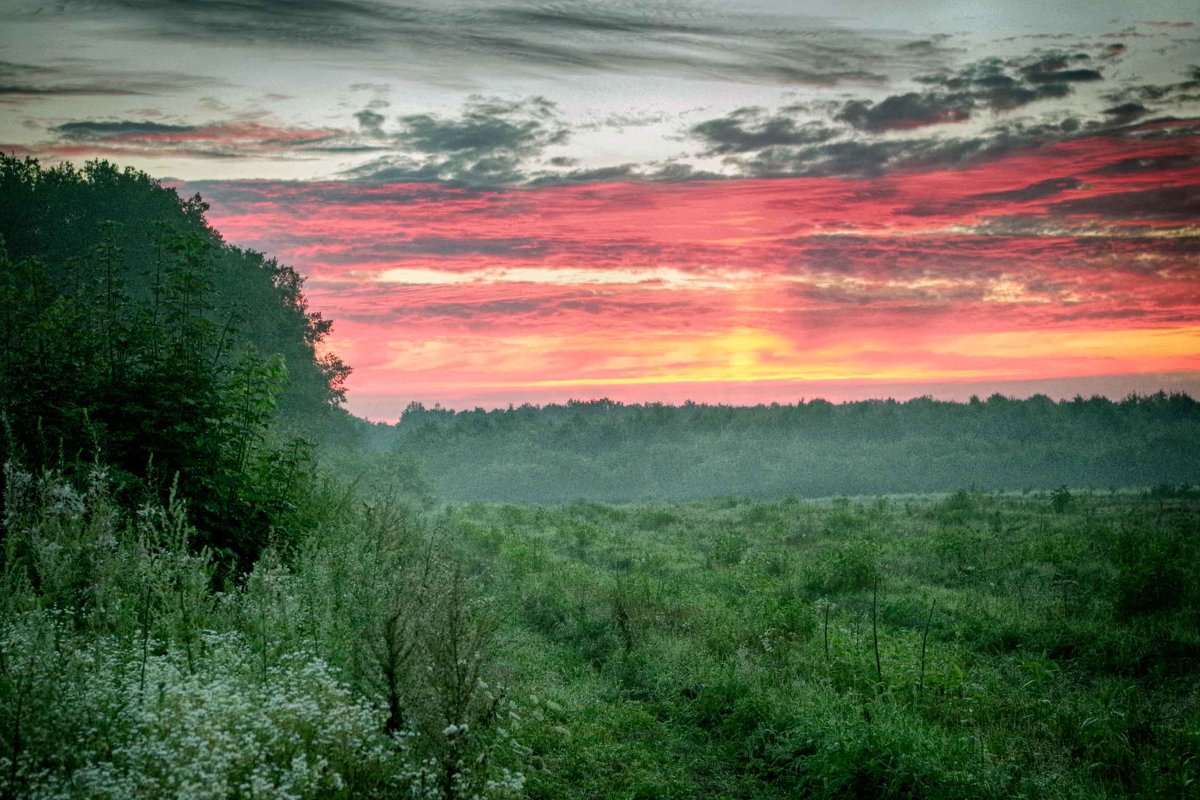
column 214, row 140
column 22, row 84
column 662, row 37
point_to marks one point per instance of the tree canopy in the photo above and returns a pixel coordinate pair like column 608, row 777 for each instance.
column 131, row 332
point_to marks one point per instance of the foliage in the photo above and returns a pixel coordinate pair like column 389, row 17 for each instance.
column 154, row 346
column 971, row 646
column 1156, row 568
column 123, row 675
column 1061, row 499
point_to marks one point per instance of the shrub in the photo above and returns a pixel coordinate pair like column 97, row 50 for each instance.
column 1061, row 500
column 959, row 507
column 852, row 567
column 1156, row 569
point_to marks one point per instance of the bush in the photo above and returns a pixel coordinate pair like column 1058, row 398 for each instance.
column 1061, row 500
column 1156, row 570
column 122, row 674
column 958, row 508
column 832, row 755
column 852, row 567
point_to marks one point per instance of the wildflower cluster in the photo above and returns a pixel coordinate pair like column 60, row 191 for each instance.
column 124, row 675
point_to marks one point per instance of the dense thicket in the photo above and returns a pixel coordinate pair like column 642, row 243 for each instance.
column 188, row 608
column 131, row 333
column 606, row 450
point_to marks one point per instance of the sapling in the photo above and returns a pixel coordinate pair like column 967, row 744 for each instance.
column 924, row 640
column 875, row 634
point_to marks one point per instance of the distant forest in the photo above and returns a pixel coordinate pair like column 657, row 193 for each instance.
column 605, row 450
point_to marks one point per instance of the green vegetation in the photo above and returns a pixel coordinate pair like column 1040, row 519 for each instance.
column 353, row 665
column 973, row 645
column 201, row 597
column 154, row 345
column 187, row 607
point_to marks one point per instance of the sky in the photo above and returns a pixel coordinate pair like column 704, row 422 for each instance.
column 506, row 202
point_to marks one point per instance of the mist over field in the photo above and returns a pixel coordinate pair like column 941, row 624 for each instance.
column 608, row 451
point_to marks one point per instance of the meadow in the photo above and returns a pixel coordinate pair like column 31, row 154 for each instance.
column 964, row 645
column 967, row 645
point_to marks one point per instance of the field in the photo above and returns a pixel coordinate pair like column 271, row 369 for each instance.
column 970, row 645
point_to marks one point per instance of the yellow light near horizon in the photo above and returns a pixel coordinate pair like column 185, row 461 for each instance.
column 747, row 354
column 1129, row 344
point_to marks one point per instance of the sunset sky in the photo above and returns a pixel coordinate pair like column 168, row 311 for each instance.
column 507, row 202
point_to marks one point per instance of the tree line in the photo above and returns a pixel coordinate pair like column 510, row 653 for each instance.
column 607, row 450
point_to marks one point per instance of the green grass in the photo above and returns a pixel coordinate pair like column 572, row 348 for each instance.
column 970, row 645
column 728, row 648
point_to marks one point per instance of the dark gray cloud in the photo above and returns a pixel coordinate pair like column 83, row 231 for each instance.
column 400, row 169
column 90, row 131
column 874, row 156
column 222, row 139
column 491, row 141
column 1148, row 164
column 762, row 144
column 749, row 129
column 1034, row 191
column 1042, row 190
column 1186, row 90
column 850, row 157
column 1176, row 203
column 992, row 83
column 789, row 142
column 486, row 126
column 11, row 92
column 371, row 122
column 1126, row 113
column 617, row 172
column 995, row 84
column 907, row 111
column 1057, row 68
column 658, row 37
